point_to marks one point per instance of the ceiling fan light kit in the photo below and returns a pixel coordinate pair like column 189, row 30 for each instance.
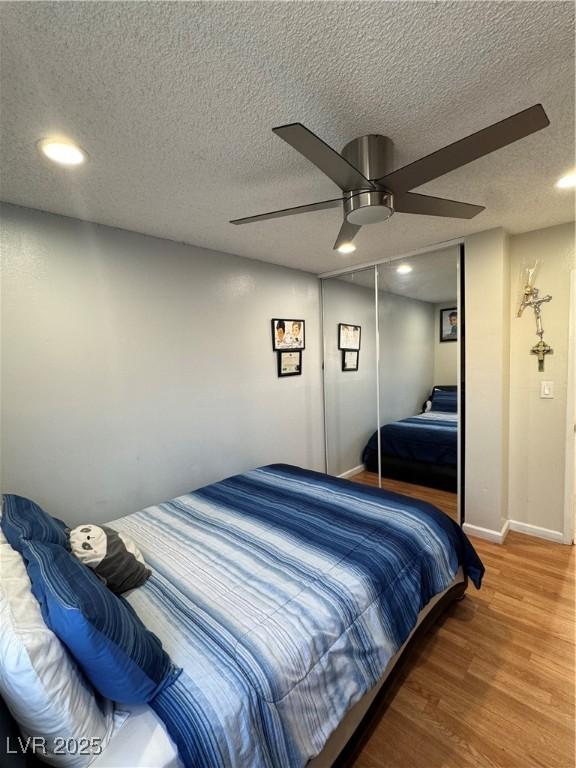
column 368, row 207
column 372, row 192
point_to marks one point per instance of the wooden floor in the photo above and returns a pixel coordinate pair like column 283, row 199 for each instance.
column 444, row 500
column 492, row 684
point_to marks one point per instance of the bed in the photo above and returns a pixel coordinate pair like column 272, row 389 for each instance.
column 285, row 599
column 141, row 738
column 421, row 449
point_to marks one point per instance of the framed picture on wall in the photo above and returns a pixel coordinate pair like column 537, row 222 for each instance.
column 449, row 324
column 287, row 334
column 349, row 336
column 289, row 363
column 350, row 359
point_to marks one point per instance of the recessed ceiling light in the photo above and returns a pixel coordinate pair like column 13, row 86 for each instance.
column 403, row 269
column 347, row 248
column 62, row 151
column 567, row 182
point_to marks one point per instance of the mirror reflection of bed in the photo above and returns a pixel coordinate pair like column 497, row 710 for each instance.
column 393, row 423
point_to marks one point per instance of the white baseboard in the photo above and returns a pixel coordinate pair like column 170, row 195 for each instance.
column 353, row 471
column 536, row 530
column 498, row 537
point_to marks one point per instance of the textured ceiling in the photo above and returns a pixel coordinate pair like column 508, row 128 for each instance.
column 434, row 276
column 174, row 103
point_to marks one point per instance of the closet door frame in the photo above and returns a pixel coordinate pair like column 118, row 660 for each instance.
column 461, row 304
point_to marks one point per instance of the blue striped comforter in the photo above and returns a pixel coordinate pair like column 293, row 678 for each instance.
column 283, row 593
column 429, row 437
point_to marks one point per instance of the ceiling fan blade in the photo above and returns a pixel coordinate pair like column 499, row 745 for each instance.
column 347, row 233
column 322, row 206
column 410, row 202
column 466, row 150
column 323, row 156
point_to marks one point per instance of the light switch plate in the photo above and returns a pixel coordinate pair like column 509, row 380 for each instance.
column 547, row 389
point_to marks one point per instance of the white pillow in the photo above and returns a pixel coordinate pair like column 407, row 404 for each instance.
column 39, row 681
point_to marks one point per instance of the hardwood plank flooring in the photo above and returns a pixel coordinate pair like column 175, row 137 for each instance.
column 444, row 500
column 492, row 684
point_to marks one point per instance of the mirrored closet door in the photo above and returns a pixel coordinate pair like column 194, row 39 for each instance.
column 392, row 421
column 350, row 369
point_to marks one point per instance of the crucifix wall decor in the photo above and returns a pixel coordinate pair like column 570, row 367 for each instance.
column 541, row 349
column 531, row 298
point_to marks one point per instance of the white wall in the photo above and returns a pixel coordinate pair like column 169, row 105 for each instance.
column 487, row 277
column 445, row 353
column 406, row 329
column 350, row 396
column 135, row 369
column 538, row 426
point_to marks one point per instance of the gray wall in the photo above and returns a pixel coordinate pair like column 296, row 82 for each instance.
column 406, row 329
column 135, row 369
column 350, row 395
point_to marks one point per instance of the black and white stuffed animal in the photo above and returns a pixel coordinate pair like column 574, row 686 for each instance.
column 112, row 556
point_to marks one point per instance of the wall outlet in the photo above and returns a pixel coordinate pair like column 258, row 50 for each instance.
column 547, row 389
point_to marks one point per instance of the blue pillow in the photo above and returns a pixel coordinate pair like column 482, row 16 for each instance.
column 445, row 401
column 23, row 520
column 122, row 659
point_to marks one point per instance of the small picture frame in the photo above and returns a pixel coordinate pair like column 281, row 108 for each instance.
column 287, row 334
column 349, row 336
column 350, row 359
column 289, row 363
column 449, row 324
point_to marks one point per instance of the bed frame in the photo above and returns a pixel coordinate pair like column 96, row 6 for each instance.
column 345, row 744
column 417, row 472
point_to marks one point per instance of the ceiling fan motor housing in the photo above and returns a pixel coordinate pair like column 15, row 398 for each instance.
column 372, row 156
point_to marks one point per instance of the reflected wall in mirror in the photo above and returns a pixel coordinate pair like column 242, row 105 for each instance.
column 405, row 404
column 350, row 387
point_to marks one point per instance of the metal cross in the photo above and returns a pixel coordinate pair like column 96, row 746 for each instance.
column 541, row 349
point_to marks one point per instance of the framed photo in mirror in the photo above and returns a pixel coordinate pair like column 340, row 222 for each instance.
column 289, row 363
column 349, row 336
column 350, row 359
column 449, row 324
column 287, row 334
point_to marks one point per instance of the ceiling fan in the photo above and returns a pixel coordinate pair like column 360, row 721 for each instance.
column 372, row 192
